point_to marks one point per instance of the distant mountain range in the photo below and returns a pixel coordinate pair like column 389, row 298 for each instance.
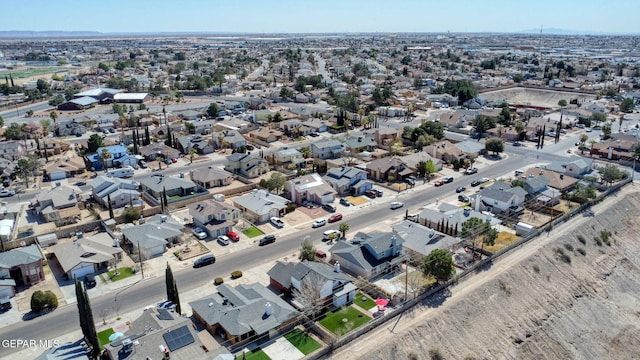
column 557, row 31
column 47, row 34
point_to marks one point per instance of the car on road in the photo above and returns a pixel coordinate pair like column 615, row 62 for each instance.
column 464, row 198
column 518, row 172
column 335, row 217
column 204, row 260
column 460, row 189
column 80, row 183
column 439, row 182
column 471, row 171
column 200, row 233
column 90, row 280
column 223, row 240
column 267, row 240
column 345, row 202
column 277, row 222
column 448, row 179
column 7, row 192
column 233, row 236
column 396, row 205
column 370, row 194
column 318, row 223
column 589, row 130
column 479, row 181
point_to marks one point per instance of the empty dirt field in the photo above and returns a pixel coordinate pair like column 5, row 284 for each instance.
column 535, row 97
column 569, row 294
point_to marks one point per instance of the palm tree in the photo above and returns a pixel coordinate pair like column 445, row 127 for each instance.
column 54, row 116
column 46, row 127
column 344, row 227
column 104, row 156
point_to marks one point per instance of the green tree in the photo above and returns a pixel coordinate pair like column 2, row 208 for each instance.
column 286, row 93
column 1, row 121
column 343, row 228
column 483, row 123
column 439, row 264
column 110, row 205
column 14, row 132
column 192, row 153
column 27, row 167
column 213, row 111
column 627, row 105
column 606, row 131
column 494, row 145
column 104, row 158
column 172, row 289
column 396, row 148
column 46, row 126
column 94, row 143
column 276, row 182
column 473, row 228
column 37, row 301
column 131, row 214
column 307, row 250
column 87, row 325
column 562, row 102
column 598, row 117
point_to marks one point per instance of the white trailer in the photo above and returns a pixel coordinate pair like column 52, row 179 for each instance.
column 124, row 172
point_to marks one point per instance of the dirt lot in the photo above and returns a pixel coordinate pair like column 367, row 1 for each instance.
column 560, row 296
column 536, row 97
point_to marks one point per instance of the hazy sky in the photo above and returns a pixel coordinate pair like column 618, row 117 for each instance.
column 304, row 16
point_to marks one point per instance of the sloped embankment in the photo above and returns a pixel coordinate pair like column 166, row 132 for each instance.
column 575, row 298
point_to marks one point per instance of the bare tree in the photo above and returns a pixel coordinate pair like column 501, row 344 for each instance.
column 308, row 295
column 103, row 315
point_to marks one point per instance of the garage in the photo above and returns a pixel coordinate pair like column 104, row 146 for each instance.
column 6, row 288
column 81, row 270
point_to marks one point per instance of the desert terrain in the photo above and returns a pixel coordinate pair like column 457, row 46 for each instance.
column 534, row 97
column 565, row 295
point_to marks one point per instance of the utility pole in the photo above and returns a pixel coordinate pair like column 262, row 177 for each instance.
column 406, row 280
column 140, row 259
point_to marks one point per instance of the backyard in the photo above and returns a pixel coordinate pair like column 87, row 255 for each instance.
column 257, row 354
column 252, row 231
column 364, row 301
column 344, row 320
column 303, row 342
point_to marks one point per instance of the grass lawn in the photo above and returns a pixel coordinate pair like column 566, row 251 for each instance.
column 334, row 321
column 366, row 304
column 31, row 72
column 257, row 354
column 252, row 232
column 103, row 336
column 125, row 272
column 302, row 341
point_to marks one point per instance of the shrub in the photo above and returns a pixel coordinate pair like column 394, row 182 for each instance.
column 236, row 274
column 218, row 280
column 568, row 247
column 131, row 214
column 536, row 268
column 41, row 301
column 582, row 251
column 562, row 256
column 290, row 208
column 582, row 240
column 435, row 354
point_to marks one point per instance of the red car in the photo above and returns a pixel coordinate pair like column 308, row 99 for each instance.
column 174, row 160
column 233, row 236
column 335, row 217
column 370, row 194
column 439, row 183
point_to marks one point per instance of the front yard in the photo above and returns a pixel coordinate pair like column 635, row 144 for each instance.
column 252, row 232
column 103, row 336
column 344, row 320
column 123, row 273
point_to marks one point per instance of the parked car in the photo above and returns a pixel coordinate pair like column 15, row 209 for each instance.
column 174, row 160
column 204, row 260
column 448, row 179
column 143, row 165
column 331, row 234
column 7, row 192
column 518, row 172
column 438, row 182
column 200, row 233
column 345, row 202
column 377, row 192
column 5, row 304
column 267, row 240
column 479, row 181
column 223, row 240
column 460, row 189
column 335, row 217
column 249, row 147
column 318, row 223
column 370, row 194
column 464, row 198
column 329, row 207
column 277, row 222
column 396, row 205
column 80, row 183
column 90, row 280
column 233, row 236
column 410, row 181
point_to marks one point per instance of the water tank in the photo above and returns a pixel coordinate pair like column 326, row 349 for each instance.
column 267, row 309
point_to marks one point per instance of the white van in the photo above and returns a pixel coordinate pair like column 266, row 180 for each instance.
column 330, row 235
column 124, row 172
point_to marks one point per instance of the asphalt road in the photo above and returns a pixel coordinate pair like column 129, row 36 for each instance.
column 65, row 319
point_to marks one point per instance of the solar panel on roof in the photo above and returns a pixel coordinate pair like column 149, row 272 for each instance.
column 163, row 314
column 178, row 338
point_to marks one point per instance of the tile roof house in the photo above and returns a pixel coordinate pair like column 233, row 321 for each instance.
column 58, row 204
column 119, row 156
column 497, row 200
column 23, row 264
column 288, row 156
column 215, row 217
column 327, row 149
column 228, row 139
column 377, row 254
column 333, row 286
column 358, row 144
column 246, row 165
column 152, row 235
column 160, row 334
column 121, row 191
column 261, row 205
column 555, row 180
column 384, row 137
column 244, row 313
column 451, row 216
column 445, row 151
column 267, row 135
column 381, row 169
column 86, row 255
column 152, row 151
column 348, row 180
column 210, row 177
column 420, row 241
column 155, row 185
column 66, row 166
column 198, row 142
column 311, row 188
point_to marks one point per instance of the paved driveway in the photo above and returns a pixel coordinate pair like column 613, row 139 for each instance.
column 282, row 349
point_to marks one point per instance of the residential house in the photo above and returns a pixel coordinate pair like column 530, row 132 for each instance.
column 577, row 166
column 12, row 150
column 440, row 100
column 54, row 146
column 261, row 205
column 119, row 156
column 377, row 254
column 358, row 144
column 457, row 119
column 70, row 128
column 555, row 180
column 215, row 217
column 247, row 165
column 211, row 177
column 451, row 218
column 198, row 142
column 157, row 185
column 190, row 115
column 293, row 127
column 348, row 181
column 152, row 235
column 471, row 148
column 58, row 204
column 86, row 256
column 162, row 334
column 310, row 188
column 243, row 313
column 267, row 135
column 203, row 127
column 420, row 241
column 154, row 150
column 384, row 137
column 412, row 160
column 122, row 192
column 316, row 125
column 445, row 151
column 333, row 286
column 498, row 200
column 288, row 156
column 534, row 184
column 619, row 146
column 327, row 149
column 228, row 139
column 23, row 265
column 66, row 166
column 388, row 169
